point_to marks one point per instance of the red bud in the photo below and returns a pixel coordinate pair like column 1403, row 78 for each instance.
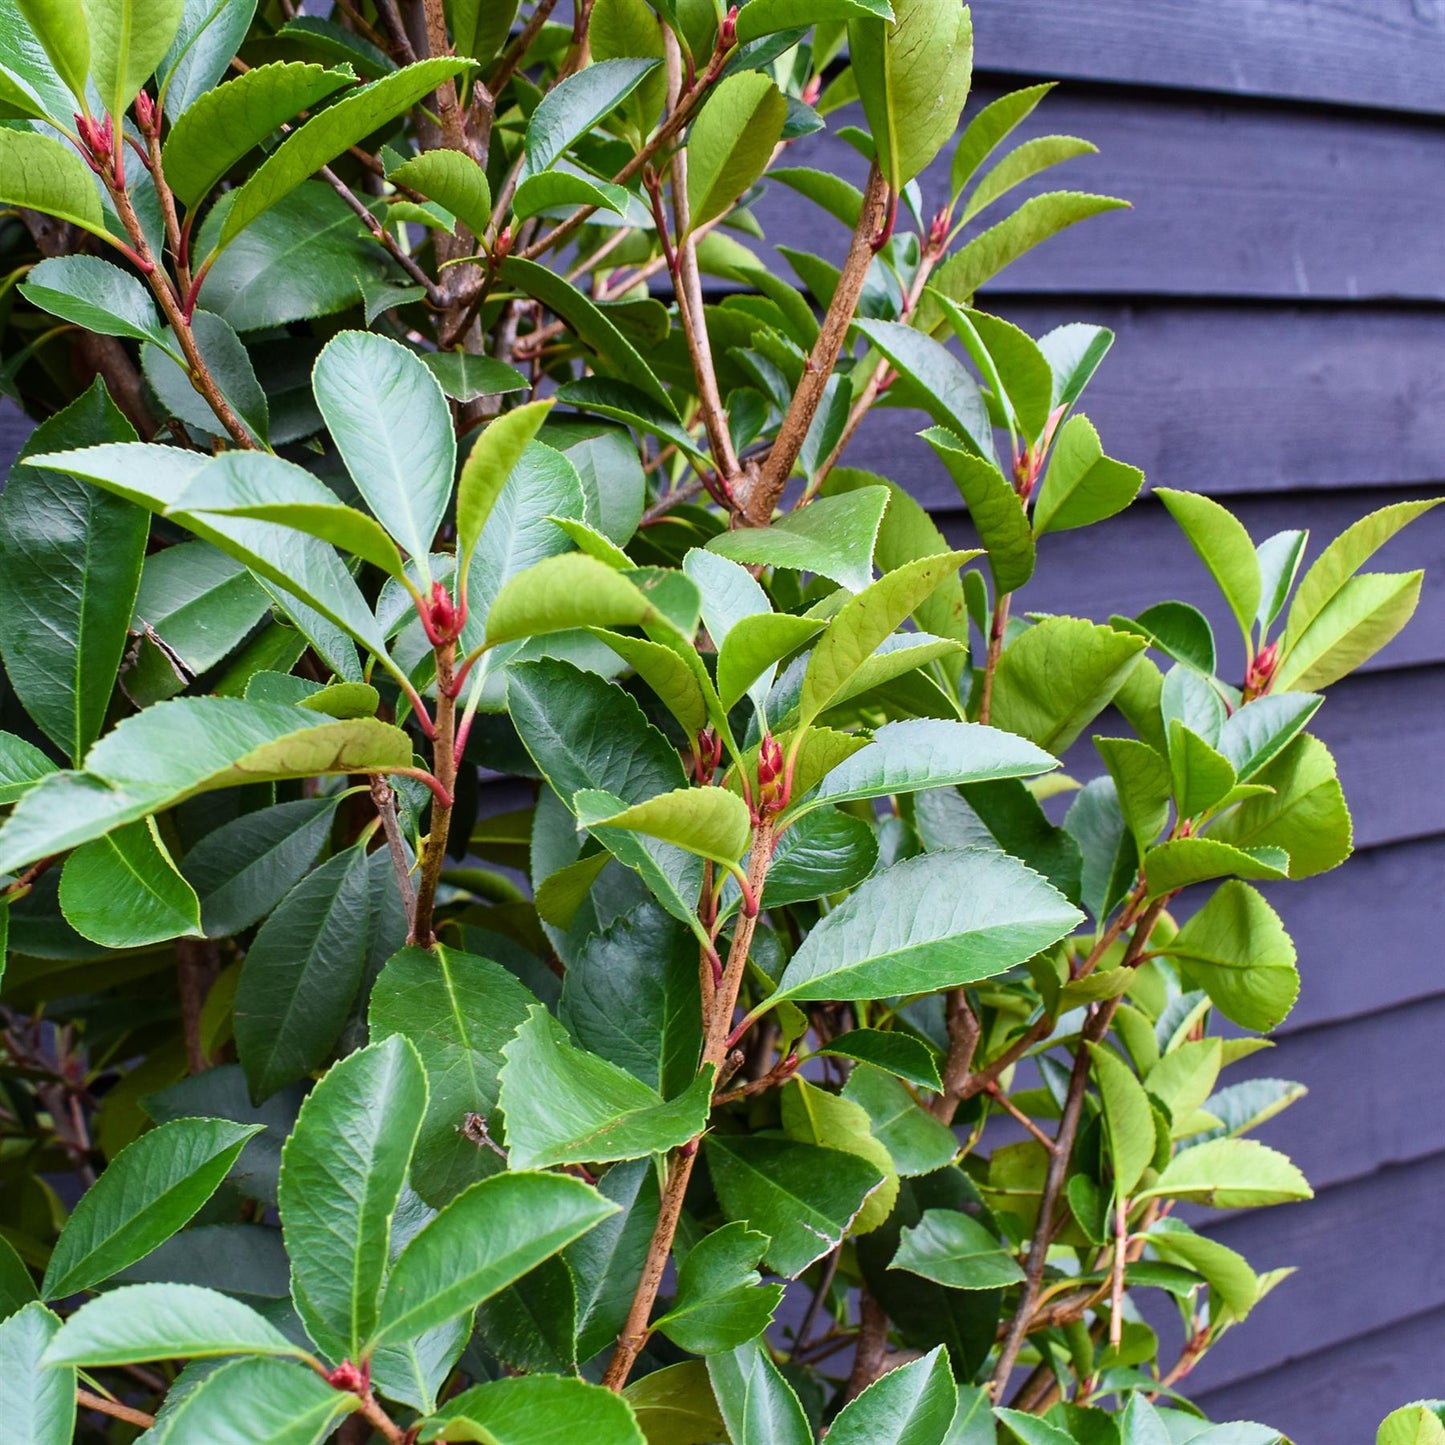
column 443, row 616
column 354, row 1379
column 727, row 35
column 147, row 113
column 773, row 780
column 1260, row 676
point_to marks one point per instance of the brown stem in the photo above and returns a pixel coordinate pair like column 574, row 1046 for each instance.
column 396, row 31
column 379, row 1420
column 997, row 627
column 434, row 851
column 872, row 1349
column 513, row 55
column 764, row 494
column 444, row 98
column 362, row 211
column 385, row 800
column 171, row 219
column 963, row 1036
column 1009, row 1107
column 197, row 964
column 634, row 1331
column 1116, row 1271
column 89, row 1401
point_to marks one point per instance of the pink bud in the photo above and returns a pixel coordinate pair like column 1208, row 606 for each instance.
column 727, row 35
column 354, row 1379
column 444, row 619
column 147, row 113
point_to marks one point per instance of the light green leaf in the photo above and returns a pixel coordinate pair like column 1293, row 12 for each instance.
column 1224, row 547
column 1176, row 864
column 1228, row 1274
column 1412, row 1425
column 1141, row 785
column 749, row 653
column 1074, row 352
column 939, row 382
column 326, row 135
column 1082, row 485
column 226, row 123
column 1057, row 676
column 833, row 537
column 489, row 1236
column 123, row 890
column 259, row 1402
column 720, row 1301
column 342, row 1173
column 64, row 34
column 458, row 1010
column 565, row 1106
column 767, row 17
column 1022, row 163
column 1128, row 1119
column 916, row 1141
column 1365, row 614
column 1256, row 732
column 956, row 1251
column 1230, row 1174
column 452, row 180
column 990, row 126
column 561, row 190
column 913, row 78
column 1237, row 950
column 150, row 1190
column 41, row 174
column 731, row 141
column 526, row 1410
column 21, row 764
column 711, row 822
column 994, row 507
column 758, row 1405
column 479, row 28
column 929, row 923
column 910, row 1405
column 559, row 593
column 493, row 458
column 573, row 107
column 163, row 1322
column 38, row 1403
column 681, row 684
column 128, row 39
column 1031, row 1430
column 95, row 295
column 1201, row 777
column 816, row 1116
column 1279, row 561
column 389, row 420
column 1010, row 362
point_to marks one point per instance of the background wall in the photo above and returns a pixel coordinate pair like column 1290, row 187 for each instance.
column 1277, row 292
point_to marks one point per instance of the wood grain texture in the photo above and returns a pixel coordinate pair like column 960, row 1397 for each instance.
column 1386, row 53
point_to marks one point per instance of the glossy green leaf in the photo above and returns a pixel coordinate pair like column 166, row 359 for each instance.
column 1257, row 731
column 571, row 108
column 994, row 508
column 1031, row 1430
column 913, row 78
column 916, row 1141
column 162, row 1322
column 1074, row 352
column 479, row 28
column 558, row 593
column 327, row 134
column 1279, row 561
column 72, row 566
column 128, row 39
column 711, row 822
column 150, row 1190
column 1412, row 1425
column 1182, row 861
column 211, row 33
column 731, row 141
column 123, row 890
column 39, row 1403
column 767, row 17
column 1200, row 776
column 817, row 1116
column 826, row 851
column 833, row 537
column 525, row 1411
column 1223, row 546
column 956, row 1251
column 226, row 123
column 230, row 365
column 389, row 419
column 1230, row 1174
column 911, row 1405
column 565, row 1106
column 489, row 1236
column 64, row 33
column 342, row 1173
column 492, row 460
column 990, row 126
column 681, row 683
column 21, row 764
column 607, row 1262
column 1031, row 158
column 720, row 1301
column 1141, row 786
column 939, row 381
column 1082, row 485
column 929, row 923
column 1366, row 613
column 42, row 174
column 260, row 1402
column 301, row 975
column 1228, row 1274
column 758, row 1405
column 1010, row 362
column 458, row 1010
column 899, row 1054
column 95, row 295
column 465, row 377
column 1057, row 676
column 675, row 1405
column 1128, row 1119
column 452, row 180
column 1178, row 630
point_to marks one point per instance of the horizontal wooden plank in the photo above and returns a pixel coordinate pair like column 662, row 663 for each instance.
column 1233, row 399
column 1386, row 53
column 1340, row 1395
column 1365, row 1261
column 1234, row 199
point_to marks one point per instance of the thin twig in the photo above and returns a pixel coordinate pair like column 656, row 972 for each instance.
column 434, row 851
column 998, row 626
column 385, row 799
column 514, row 54
column 89, row 1401
column 398, row 253
column 872, row 1351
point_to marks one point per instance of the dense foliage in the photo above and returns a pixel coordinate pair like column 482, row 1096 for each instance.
column 538, row 900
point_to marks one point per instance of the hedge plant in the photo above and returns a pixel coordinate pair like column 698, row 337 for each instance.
column 539, row 899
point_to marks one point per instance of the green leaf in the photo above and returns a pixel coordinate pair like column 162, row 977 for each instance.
column 1074, row 353
column 560, row 593
column 827, row 851
column 574, row 106
column 816, row 1116
column 301, row 975
column 263, row 1402
column 211, row 33
column 41, row 174
column 624, row 403
column 758, row 1405
column 1230, row 1174
column 1182, row 861
column 990, row 126
column 128, row 39
column 1039, row 218
column 607, row 1263
column 150, row 1190
column 492, row 460
column 1010, row 362
column 458, row 1010
column 1022, row 163
column 1082, row 485
column 64, row 33
column 1232, row 1282
column 342, row 1172
column 1141, row 785
column 227, row 123
column 389, row 420
column 464, row 377
column 956, row 1251
column 525, row 1411
column 681, row 684
column 1057, row 676
column 1279, row 561
column 479, row 28
column 1178, row 630
column 939, row 382
column 1223, row 546
column 899, row 1054
column 123, row 890
column 1128, row 1119
column 731, row 141
column 1031, row 1430
column 230, row 366
column 1237, row 950
column 929, row 923
column 489, row 1236
column 767, row 17
column 72, row 566
column 453, row 180
column 721, row 1302
column 1365, row 614
column 905, row 757
column 749, row 654
column 21, row 764
column 163, row 1322
column 1305, row 815
column 916, row 1141
column 676, row 1406
column 1256, row 732
column 1412, row 1425
column 833, row 537
column 95, row 295
column 711, row 822
column 39, row 1403
column 326, row 135
column 913, row 78
column 994, row 508
column 1201, row 777
column 564, row 1106
column 910, row 1405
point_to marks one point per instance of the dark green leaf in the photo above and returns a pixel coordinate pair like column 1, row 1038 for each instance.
column 721, row 1302
column 956, row 1251
column 123, row 890
column 911, row 1405
column 570, row 109
column 758, row 1405
column 263, row 1402
column 899, row 1054
column 994, row 508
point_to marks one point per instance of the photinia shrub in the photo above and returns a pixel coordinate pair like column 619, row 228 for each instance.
column 538, row 900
